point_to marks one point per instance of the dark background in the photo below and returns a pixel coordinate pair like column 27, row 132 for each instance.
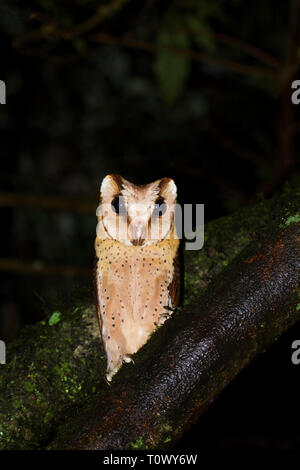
column 199, row 91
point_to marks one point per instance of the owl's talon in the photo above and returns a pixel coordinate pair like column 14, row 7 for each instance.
column 111, row 373
column 163, row 318
column 107, row 378
column 127, row 358
column 172, row 309
column 167, row 307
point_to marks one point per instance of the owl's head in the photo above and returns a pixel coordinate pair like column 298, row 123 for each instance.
column 136, row 215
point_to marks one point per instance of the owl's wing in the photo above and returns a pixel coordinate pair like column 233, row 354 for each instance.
column 96, row 282
column 174, row 286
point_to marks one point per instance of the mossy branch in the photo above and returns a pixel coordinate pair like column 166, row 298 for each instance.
column 241, row 292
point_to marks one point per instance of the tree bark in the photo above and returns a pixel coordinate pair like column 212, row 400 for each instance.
column 241, row 292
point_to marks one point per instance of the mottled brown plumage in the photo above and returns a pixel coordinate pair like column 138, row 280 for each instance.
column 136, row 268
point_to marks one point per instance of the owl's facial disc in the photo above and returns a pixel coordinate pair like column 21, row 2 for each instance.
column 118, row 205
column 137, row 215
column 138, row 218
column 160, row 207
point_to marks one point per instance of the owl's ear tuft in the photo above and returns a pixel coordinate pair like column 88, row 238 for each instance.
column 168, row 188
column 111, row 185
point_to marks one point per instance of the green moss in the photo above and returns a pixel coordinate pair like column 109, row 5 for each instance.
column 17, row 403
column 138, row 444
column 50, row 378
column 29, row 386
column 224, row 240
column 70, row 382
column 54, row 319
column 48, row 416
column 298, row 307
column 293, row 219
column 288, row 218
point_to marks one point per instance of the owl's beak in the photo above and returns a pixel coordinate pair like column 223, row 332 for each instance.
column 137, row 234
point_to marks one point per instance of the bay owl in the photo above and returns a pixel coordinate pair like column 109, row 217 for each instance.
column 136, row 273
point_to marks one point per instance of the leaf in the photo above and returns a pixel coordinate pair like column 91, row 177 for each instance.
column 171, row 69
column 54, row 319
column 202, row 33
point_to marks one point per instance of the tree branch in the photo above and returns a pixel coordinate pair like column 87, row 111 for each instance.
column 47, row 202
column 241, row 293
column 249, row 49
column 183, row 369
column 39, row 267
column 131, row 43
column 51, row 30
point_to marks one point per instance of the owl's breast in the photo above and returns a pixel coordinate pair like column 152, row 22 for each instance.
column 134, row 288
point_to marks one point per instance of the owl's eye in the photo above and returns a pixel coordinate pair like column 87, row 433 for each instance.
column 118, row 205
column 160, row 207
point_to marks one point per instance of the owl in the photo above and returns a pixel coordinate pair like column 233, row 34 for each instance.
column 136, row 274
